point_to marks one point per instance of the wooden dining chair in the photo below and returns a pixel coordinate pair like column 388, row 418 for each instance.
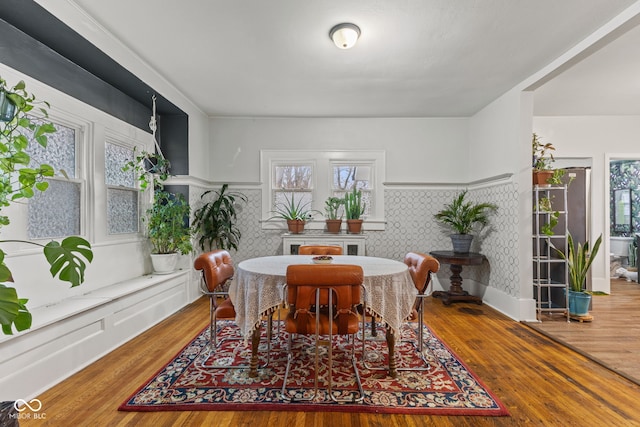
column 217, row 270
column 319, row 250
column 421, row 267
column 322, row 301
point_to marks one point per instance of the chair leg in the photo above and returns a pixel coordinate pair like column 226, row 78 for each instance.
column 214, row 344
column 420, row 341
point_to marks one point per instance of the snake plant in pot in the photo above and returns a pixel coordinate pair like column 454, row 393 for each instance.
column 463, row 217
column 579, row 259
column 19, row 180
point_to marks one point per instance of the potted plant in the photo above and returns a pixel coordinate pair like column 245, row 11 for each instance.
column 215, row 221
column 168, row 230
column 150, row 168
column 68, row 259
column 544, row 205
column 331, row 207
column 295, row 213
column 463, row 217
column 579, row 259
column 542, row 159
column 354, row 209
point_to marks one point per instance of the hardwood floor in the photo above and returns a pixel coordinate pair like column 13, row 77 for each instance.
column 541, row 382
column 613, row 337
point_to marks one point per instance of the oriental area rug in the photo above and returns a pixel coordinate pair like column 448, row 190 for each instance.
column 447, row 387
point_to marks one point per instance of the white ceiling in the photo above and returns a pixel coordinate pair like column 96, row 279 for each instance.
column 415, row 58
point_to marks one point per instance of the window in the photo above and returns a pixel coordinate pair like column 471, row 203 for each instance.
column 347, row 176
column 122, row 194
column 313, row 176
column 57, row 212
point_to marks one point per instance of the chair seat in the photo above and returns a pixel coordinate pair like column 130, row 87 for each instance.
column 225, row 310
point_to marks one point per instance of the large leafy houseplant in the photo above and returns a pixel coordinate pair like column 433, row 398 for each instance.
column 167, row 224
column 215, row 221
column 18, row 180
column 463, row 217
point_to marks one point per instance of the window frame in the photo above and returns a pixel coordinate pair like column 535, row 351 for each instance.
column 322, row 179
column 119, row 140
column 82, row 131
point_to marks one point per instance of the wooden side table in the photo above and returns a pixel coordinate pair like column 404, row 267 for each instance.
column 456, row 261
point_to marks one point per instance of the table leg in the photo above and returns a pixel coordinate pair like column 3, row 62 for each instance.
column 255, row 342
column 391, row 346
column 455, row 292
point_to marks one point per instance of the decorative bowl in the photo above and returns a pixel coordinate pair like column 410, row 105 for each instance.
column 322, row 259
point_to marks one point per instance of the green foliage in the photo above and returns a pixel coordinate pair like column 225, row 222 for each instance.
column 331, row 206
column 544, row 205
column 579, row 260
column 19, row 181
column 215, row 222
column 292, row 210
column 542, row 154
column 167, row 224
column 150, row 168
column 625, row 174
column 463, row 216
column 353, row 205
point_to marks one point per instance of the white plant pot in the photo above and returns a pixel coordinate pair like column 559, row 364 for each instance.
column 164, row 263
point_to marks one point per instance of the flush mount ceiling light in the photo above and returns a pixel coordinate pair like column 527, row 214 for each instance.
column 345, row 35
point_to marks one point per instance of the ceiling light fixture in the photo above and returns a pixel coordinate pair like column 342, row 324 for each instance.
column 345, row 35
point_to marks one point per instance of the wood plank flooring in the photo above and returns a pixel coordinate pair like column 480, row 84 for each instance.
column 613, row 337
column 541, row 382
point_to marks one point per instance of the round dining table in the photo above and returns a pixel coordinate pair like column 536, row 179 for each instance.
column 257, row 291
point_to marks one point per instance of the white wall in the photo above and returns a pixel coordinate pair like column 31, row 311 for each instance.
column 418, row 150
column 601, row 138
column 499, row 142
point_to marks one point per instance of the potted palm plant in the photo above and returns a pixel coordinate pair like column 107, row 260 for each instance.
column 463, row 217
column 579, row 259
column 295, row 213
column 331, row 208
column 168, row 230
column 354, row 209
column 68, row 259
column 215, row 221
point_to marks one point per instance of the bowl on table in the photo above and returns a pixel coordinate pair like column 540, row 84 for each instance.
column 322, row 259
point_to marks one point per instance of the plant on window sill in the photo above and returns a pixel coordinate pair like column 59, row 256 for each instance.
column 19, row 181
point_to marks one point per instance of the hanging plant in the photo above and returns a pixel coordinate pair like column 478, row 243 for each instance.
column 150, row 168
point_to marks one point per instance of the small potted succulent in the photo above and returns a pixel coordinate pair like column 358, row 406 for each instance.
column 331, row 208
column 354, row 208
column 295, row 213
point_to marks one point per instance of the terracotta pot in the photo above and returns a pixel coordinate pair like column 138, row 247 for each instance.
column 334, row 225
column 354, row 226
column 296, row 226
column 541, row 177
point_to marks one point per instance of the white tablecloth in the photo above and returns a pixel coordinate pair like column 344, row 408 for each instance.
column 258, row 283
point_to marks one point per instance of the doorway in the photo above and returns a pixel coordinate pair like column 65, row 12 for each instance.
column 624, row 217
